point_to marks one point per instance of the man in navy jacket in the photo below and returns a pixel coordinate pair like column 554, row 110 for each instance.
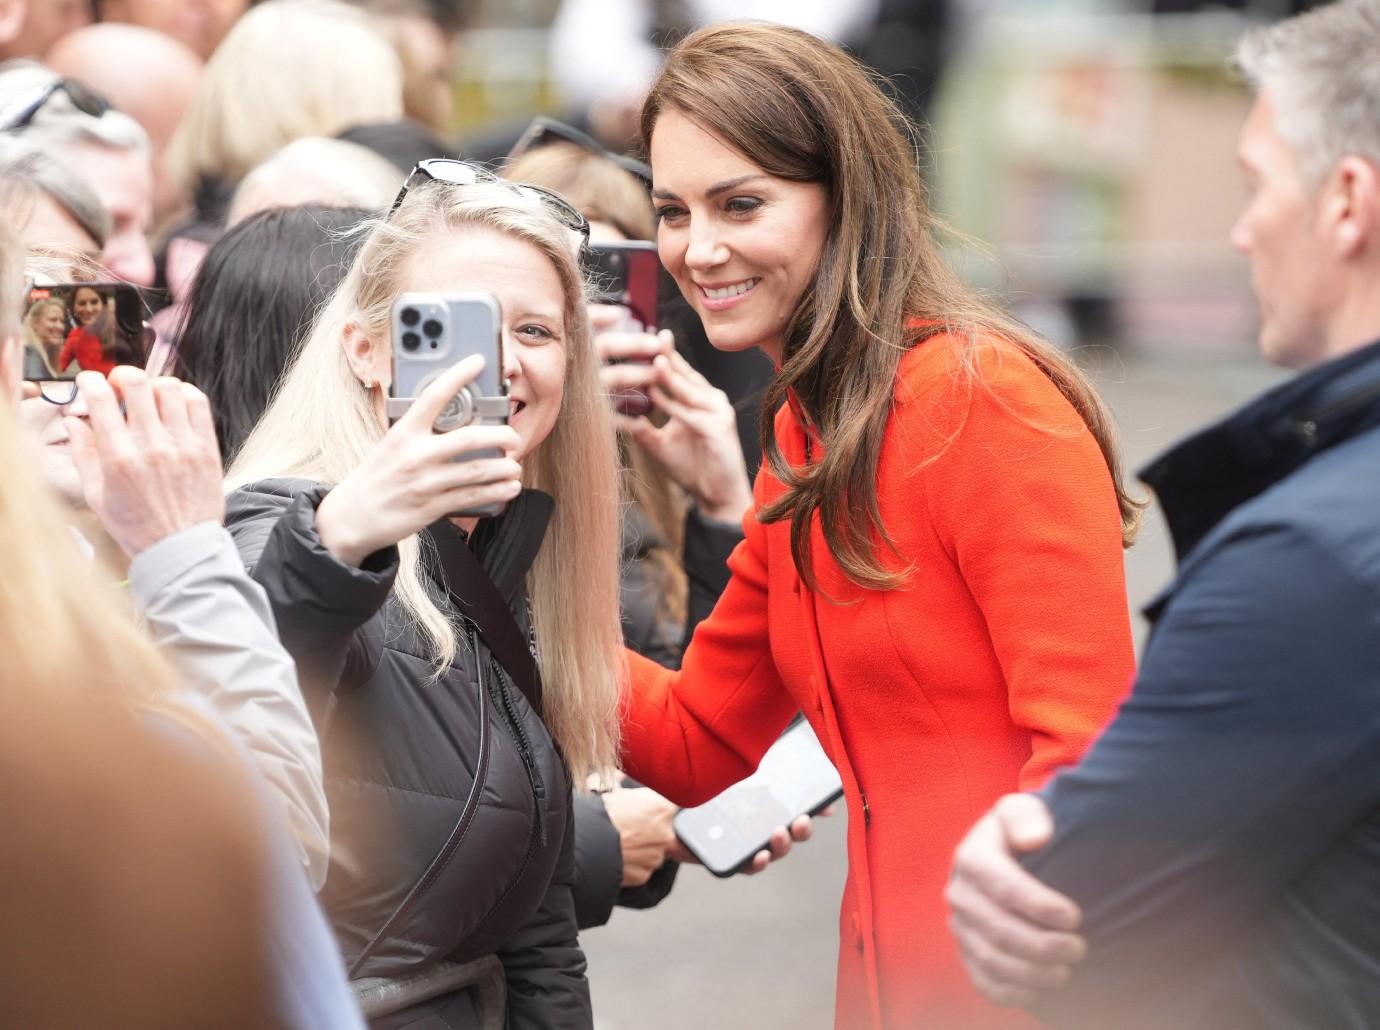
column 1214, row 861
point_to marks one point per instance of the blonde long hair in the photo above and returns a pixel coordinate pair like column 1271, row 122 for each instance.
column 322, row 423
column 79, row 675
column 603, row 192
column 59, row 625
column 288, row 69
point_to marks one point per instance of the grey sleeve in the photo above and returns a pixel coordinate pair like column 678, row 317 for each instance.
column 214, row 623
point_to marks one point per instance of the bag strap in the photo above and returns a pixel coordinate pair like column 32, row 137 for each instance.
column 483, row 605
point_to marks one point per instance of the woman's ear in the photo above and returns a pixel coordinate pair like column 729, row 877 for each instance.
column 369, row 363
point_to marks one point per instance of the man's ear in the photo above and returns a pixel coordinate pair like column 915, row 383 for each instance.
column 364, row 358
column 1353, row 206
column 12, row 14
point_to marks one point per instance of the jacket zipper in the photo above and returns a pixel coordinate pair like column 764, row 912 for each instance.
column 524, row 748
column 498, row 690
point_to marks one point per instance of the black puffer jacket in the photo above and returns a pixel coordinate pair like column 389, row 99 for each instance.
column 401, row 752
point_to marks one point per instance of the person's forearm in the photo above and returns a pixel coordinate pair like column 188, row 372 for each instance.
column 215, row 625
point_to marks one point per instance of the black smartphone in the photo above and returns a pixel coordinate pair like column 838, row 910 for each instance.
column 795, row 778
column 431, row 333
column 83, row 327
column 628, row 274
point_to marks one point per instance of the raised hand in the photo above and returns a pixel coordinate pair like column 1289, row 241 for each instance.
column 409, row 479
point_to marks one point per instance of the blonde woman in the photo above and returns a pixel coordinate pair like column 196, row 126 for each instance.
column 452, row 853
column 45, row 329
column 288, row 69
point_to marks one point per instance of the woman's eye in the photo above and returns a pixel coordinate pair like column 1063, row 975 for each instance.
column 669, row 213
column 533, row 333
column 743, row 205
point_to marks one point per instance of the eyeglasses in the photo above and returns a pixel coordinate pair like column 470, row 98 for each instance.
column 545, row 131
column 85, row 100
column 462, row 173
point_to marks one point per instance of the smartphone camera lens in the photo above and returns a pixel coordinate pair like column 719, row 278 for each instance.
column 410, row 317
column 432, row 328
column 411, row 341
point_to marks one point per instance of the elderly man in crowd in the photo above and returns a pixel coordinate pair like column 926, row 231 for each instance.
column 105, row 146
column 149, row 76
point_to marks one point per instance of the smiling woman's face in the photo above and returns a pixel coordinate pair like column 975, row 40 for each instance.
column 742, row 245
column 51, row 324
column 528, row 290
column 86, row 305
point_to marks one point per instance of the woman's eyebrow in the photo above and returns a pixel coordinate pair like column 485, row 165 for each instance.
column 713, row 191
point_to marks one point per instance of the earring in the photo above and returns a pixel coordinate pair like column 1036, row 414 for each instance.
column 368, row 384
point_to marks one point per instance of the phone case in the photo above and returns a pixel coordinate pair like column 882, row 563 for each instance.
column 795, row 778
column 431, row 333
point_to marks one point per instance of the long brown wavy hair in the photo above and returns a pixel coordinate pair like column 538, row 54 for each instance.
column 803, row 110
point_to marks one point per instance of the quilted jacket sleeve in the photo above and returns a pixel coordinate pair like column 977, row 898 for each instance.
column 318, row 601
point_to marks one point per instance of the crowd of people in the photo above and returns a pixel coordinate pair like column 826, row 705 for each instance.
column 323, row 711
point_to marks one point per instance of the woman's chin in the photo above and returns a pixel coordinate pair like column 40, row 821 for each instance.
column 733, row 340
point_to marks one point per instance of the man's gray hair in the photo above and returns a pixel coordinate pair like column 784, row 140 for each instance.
column 27, row 169
column 58, row 122
column 1322, row 70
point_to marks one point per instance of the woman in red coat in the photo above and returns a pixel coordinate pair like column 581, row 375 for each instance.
column 932, row 570
column 87, row 344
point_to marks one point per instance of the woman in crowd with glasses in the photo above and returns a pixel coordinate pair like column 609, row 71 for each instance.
column 450, row 789
column 932, row 570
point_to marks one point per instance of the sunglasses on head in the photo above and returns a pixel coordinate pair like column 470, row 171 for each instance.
column 85, row 100
column 462, row 173
column 544, row 131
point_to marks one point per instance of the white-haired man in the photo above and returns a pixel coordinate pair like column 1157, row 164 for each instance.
column 1214, row 861
column 104, row 146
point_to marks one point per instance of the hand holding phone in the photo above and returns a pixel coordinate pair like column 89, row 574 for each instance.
column 627, row 275
column 794, row 779
column 147, row 457
column 411, row 477
column 433, row 331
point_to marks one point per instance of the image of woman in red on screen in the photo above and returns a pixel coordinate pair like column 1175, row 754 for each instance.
column 86, row 344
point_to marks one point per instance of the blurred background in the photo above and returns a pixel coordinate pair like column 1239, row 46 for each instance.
column 1082, row 153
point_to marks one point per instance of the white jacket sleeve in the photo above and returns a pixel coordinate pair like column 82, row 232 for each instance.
column 215, row 625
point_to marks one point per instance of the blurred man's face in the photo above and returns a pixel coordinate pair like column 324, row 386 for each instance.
column 123, row 179
column 45, row 226
column 200, row 24
column 43, row 420
column 1280, row 232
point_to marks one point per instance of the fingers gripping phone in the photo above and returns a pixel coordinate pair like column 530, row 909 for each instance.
column 628, row 273
column 431, row 333
column 795, row 778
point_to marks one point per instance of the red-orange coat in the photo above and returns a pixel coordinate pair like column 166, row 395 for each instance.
column 1000, row 660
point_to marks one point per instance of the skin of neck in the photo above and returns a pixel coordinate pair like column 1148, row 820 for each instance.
column 1355, row 321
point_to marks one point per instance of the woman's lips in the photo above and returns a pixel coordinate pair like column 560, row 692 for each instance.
column 724, row 295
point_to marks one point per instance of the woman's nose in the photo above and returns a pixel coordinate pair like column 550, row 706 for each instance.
column 706, row 248
column 512, row 366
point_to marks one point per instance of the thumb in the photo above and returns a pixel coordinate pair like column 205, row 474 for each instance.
column 1025, row 821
